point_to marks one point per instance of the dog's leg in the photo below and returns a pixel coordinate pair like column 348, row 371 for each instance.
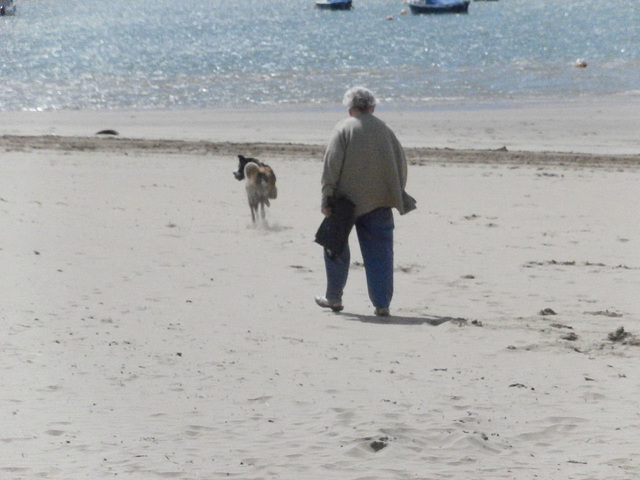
column 263, row 214
column 254, row 210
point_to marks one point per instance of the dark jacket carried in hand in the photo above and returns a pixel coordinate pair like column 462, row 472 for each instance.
column 334, row 230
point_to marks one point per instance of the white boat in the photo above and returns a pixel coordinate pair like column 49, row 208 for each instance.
column 7, row 7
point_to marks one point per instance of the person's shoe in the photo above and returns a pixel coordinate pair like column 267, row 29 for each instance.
column 382, row 311
column 324, row 303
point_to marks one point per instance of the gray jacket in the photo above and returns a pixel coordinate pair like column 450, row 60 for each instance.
column 375, row 167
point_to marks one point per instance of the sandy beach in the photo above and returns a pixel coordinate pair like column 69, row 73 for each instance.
column 151, row 331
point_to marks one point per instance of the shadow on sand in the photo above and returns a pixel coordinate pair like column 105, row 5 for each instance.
column 433, row 320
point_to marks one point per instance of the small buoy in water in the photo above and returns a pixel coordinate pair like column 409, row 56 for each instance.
column 580, row 63
column 389, row 17
column 403, row 11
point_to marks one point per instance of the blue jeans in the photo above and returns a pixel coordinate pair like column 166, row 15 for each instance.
column 375, row 235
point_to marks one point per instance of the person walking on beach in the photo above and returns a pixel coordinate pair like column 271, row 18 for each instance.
column 364, row 162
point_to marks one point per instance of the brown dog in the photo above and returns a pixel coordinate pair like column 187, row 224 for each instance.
column 260, row 184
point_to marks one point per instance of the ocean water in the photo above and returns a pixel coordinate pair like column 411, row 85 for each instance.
column 159, row 54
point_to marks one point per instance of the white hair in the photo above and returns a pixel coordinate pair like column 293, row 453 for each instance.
column 360, row 98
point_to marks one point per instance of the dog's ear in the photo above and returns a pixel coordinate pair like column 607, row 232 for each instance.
column 241, row 158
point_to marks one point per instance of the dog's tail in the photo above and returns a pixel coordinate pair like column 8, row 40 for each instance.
column 251, row 169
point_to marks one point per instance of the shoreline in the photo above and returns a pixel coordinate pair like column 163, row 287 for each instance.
column 608, row 127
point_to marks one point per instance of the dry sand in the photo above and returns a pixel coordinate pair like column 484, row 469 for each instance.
column 151, row 331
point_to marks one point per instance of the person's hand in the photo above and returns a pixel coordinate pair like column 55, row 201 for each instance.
column 326, row 211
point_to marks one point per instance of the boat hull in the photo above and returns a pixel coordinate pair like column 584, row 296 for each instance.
column 7, row 10
column 461, row 7
column 7, row 7
column 334, row 6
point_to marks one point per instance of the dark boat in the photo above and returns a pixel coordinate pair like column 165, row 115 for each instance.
column 439, row 6
column 7, row 7
column 333, row 4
